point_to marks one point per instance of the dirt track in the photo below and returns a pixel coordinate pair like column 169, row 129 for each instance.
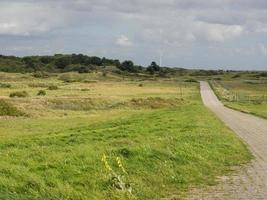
column 250, row 182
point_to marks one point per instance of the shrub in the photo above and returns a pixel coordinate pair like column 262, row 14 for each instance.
column 90, row 81
column 19, row 94
column 70, row 77
column 41, row 93
column 40, row 74
column 52, row 87
column 7, row 109
column 83, row 69
column 236, row 76
column 5, row 85
column 191, row 80
column 263, row 74
column 38, row 85
column 104, row 74
column 140, row 85
column 85, row 89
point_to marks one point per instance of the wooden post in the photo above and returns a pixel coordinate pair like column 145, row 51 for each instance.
column 181, row 93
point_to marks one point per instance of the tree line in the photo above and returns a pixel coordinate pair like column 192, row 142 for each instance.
column 71, row 62
column 59, row 63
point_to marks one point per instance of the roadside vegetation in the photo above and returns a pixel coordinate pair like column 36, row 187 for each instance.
column 244, row 92
column 110, row 137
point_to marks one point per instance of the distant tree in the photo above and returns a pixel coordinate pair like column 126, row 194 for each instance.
column 263, row 74
column 110, row 62
column 46, row 59
column 153, row 67
column 105, row 61
column 128, row 66
column 116, row 63
column 83, row 69
column 62, row 62
column 30, row 63
column 95, row 61
column 164, row 72
column 78, row 59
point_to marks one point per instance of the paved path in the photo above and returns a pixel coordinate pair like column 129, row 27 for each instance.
column 251, row 181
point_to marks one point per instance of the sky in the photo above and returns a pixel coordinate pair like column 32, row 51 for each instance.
column 209, row 34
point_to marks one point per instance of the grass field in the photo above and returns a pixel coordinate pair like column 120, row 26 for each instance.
column 97, row 137
column 243, row 94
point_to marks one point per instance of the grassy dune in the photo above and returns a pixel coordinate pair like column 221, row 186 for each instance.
column 112, row 142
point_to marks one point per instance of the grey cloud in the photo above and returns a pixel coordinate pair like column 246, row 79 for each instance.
column 147, row 24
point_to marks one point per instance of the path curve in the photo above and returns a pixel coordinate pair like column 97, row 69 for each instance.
column 249, row 183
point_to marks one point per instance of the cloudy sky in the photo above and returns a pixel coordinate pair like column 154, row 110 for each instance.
column 229, row 34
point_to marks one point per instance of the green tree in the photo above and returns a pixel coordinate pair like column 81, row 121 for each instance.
column 153, row 67
column 62, row 62
column 128, row 66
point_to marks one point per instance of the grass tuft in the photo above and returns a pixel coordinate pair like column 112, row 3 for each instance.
column 7, row 109
column 20, row 94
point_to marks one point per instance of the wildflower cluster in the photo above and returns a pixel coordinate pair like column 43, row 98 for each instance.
column 120, row 164
column 117, row 180
column 104, row 160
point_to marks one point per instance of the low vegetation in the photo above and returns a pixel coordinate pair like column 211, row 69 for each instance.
column 245, row 95
column 5, row 85
column 39, row 85
column 19, row 94
column 52, row 87
column 7, row 109
column 41, row 93
column 110, row 138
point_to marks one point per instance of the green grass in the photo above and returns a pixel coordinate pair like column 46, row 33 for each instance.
column 166, row 140
column 248, row 96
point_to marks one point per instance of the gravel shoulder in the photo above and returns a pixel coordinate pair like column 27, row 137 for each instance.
column 249, row 182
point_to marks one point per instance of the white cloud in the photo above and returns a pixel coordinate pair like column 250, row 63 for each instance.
column 263, row 49
column 123, row 41
column 29, row 18
column 218, row 32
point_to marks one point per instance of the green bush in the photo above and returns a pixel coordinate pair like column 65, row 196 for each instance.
column 263, row 74
column 52, row 87
column 191, row 80
column 19, row 94
column 41, row 93
column 40, row 74
column 85, row 89
column 71, row 77
column 236, row 76
column 5, row 85
column 7, row 109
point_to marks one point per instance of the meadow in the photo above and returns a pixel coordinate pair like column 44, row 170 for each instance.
column 245, row 93
column 89, row 136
